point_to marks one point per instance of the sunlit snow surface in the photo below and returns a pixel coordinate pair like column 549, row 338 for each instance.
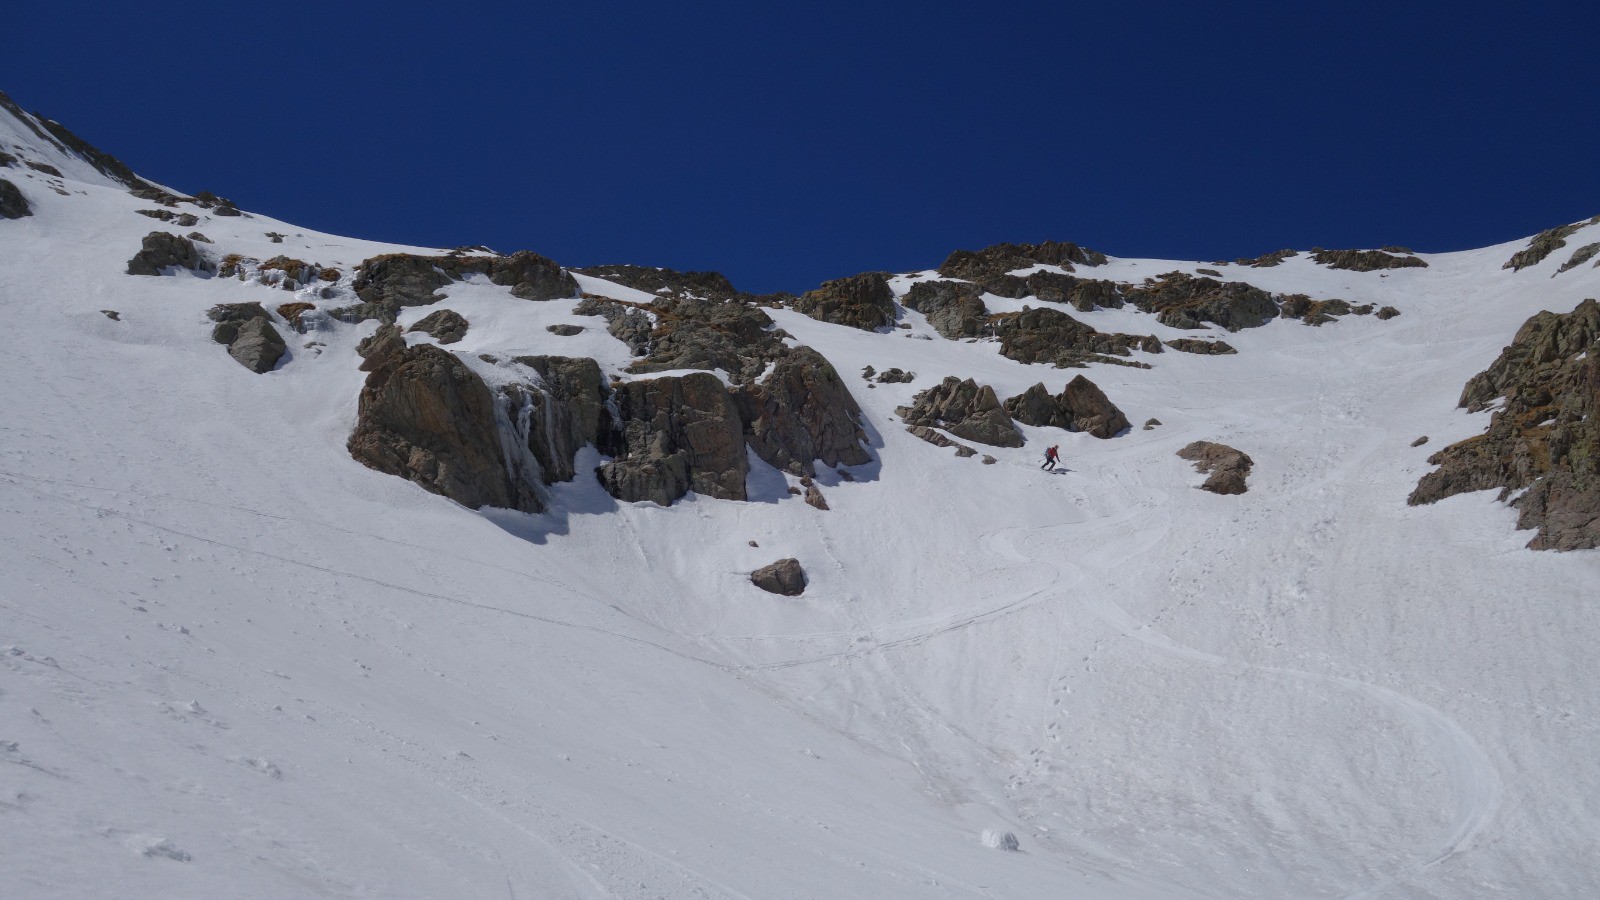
column 236, row 663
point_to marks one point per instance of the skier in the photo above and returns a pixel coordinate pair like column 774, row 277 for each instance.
column 1051, row 456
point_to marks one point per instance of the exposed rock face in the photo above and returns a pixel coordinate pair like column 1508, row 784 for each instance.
column 1205, row 348
column 666, row 282
column 1365, row 260
column 1267, row 260
column 861, row 301
column 965, row 409
column 802, row 412
column 677, row 434
column 953, row 308
column 560, row 414
column 734, row 336
column 446, row 325
column 625, row 323
column 999, row 259
column 163, row 250
column 424, row 416
column 1181, row 300
column 1081, row 406
column 1317, row 312
column 1545, row 243
column 12, row 204
column 1580, row 256
column 373, row 348
column 782, row 577
column 392, row 281
column 1228, row 467
column 1544, row 438
column 1051, row 336
column 895, row 375
column 939, row 440
column 249, row 335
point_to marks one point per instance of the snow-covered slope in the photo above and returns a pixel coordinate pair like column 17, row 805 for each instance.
column 235, row 662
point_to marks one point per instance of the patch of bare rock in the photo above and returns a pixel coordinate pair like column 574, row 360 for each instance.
column 784, row 577
column 1228, row 468
column 1545, row 243
column 248, row 333
column 1544, row 438
column 1366, row 260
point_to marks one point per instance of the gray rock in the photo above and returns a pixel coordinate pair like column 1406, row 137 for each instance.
column 1580, row 256
column 1051, row 336
column 667, row 282
column 387, row 283
column 814, row 497
column 164, row 250
column 625, row 322
column 861, row 301
column 199, row 238
column 1228, row 467
column 248, row 333
column 1000, row 259
column 1181, row 300
column 1420, row 441
column 1205, row 348
column 564, row 410
column 1544, row 437
column 1365, row 260
column 1545, row 243
column 735, row 336
column 965, row 409
column 953, row 308
column 1151, row 424
column 424, row 416
column 375, row 347
column 1081, row 406
column 1267, row 260
column 446, row 326
column 894, row 375
column 564, row 330
column 677, row 434
column 784, row 577
column 187, row 220
column 802, row 412
column 1388, row 312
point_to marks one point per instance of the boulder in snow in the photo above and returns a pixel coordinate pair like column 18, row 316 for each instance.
column 782, row 577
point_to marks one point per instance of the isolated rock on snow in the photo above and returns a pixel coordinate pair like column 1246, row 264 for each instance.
column 802, row 412
column 676, row 434
column 250, row 337
column 426, row 417
column 965, row 409
column 1081, row 406
column 1204, row 348
column 784, row 577
column 446, row 326
column 895, row 375
column 12, row 204
column 1151, row 424
column 1228, row 467
column 953, row 308
column 1579, row 257
column 1544, row 439
column 564, row 330
column 164, row 250
column 861, row 301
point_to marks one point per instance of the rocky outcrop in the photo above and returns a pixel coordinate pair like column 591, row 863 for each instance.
column 802, row 412
column 1228, row 467
column 667, row 282
column 1365, row 260
column 1580, row 256
column 1317, row 312
column 426, row 417
column 1545, row 243
column 1042, row 335
column 965, row 409
column 624, row 322
column 1181, row 300
column 446, row 326
column 390, row 282
column 560, row 412
column 1204, row 348
column 1267, row 260
column 1081, row 406
column 939, row 440
column 953, row 308
column 784, row 577
column 1000, row 259
column 734, row 336
column 861, row 301
column 677, row 434
column 12, row 204
column 894, row 375
column 163, row 250
column 1544, row 439
column 248, row 333
column 1387, row 313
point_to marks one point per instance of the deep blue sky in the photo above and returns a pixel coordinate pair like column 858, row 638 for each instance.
column 785, row 144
